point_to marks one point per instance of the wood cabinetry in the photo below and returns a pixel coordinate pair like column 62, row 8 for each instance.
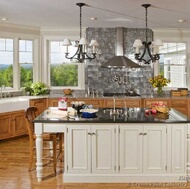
column 95, row 102
column 53, row 102
column 148, row 101
column 180, row 104
column 145, row 149
column 95, row 153
column 12, row 124
column 40, row 103
column 120, row 103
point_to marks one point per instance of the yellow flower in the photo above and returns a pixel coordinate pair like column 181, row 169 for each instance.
column 158, row 81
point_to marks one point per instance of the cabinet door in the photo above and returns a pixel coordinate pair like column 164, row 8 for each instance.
column 79, row 150
column 131, row 149
column 179, row 142
column 40, row 104
column 19, row 123
column 5, row 126
column 103, row 149
column 154, row 149
column 53, row 102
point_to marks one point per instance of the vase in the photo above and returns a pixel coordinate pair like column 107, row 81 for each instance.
column 159, row 91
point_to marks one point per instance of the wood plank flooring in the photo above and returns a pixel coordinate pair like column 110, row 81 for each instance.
column 14, row 173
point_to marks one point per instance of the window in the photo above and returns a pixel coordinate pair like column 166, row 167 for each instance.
column 6, row 62
column 173, row 63
column 64, row 72
column 26, row 62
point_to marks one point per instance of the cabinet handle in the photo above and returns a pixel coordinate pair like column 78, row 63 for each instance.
column 89, row 133
column 140, row 133
column 93, row 133
column 144, row 134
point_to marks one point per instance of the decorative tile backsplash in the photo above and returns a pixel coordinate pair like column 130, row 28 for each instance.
column 117, row 80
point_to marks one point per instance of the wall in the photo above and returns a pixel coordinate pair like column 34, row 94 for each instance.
column 102, row 79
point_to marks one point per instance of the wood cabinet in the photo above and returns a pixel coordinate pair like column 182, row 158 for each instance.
column 12, row 124
column 120, row 102
column 180, row 104
column 148, row 101
column 95, row 102
column 53, row 102
column 40, row 103
column 145, row 149
column 95, row 153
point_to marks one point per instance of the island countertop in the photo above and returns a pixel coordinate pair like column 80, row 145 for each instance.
column 131, row 115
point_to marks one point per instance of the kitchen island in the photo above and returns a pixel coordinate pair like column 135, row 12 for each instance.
column 127, row 146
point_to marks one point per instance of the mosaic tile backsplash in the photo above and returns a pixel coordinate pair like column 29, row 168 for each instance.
column 117, row 80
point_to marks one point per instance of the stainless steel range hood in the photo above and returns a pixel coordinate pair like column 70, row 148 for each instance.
column 120, row 61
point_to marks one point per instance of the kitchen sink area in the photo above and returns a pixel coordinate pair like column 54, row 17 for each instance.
column 13, row 104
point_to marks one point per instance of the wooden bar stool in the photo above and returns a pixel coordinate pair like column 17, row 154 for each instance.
column 55, row 138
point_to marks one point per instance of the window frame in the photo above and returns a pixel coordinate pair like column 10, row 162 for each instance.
column 81, row 67
column 157, row 66
column 36, row 57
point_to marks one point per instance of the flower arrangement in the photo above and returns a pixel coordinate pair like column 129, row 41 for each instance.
column 159, row 81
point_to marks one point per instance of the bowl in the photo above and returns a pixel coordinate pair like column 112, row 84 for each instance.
column 162, row 109
column 67, row 91
column 89, row 113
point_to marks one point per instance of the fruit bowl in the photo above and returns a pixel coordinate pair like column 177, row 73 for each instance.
column 162, row 109
column 67, row 91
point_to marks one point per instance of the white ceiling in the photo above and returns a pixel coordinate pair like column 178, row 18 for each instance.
column 109, row 13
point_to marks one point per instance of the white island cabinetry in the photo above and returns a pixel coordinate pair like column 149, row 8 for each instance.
column 126, row 152
column 143, row 149
column 91, row 149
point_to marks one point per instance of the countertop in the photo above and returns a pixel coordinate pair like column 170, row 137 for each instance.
column 132, row 115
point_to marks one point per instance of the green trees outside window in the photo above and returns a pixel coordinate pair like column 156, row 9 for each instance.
column 64, row 75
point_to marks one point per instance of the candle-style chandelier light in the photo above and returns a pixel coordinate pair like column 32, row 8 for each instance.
column 81, row 53
column 150, row 49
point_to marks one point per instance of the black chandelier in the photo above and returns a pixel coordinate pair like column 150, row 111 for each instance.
column 151, row 49
column 81, row 53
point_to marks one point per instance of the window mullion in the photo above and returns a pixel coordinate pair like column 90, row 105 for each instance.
column 16, row 65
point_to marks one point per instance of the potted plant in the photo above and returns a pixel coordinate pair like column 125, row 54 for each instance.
column 39, row 88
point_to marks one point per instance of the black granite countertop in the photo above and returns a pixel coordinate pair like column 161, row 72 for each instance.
column 131, row 115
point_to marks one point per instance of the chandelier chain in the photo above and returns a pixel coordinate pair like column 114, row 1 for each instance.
column 146, row 16
column 80, row 22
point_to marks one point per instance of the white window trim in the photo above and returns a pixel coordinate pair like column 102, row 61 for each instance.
column 156, row 65
column 16, row 69
column 46, row 66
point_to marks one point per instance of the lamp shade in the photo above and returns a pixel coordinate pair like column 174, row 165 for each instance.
column 66, row 42
column 137, row 43
column 83, row 41
column 94, row 43
column 158, row 42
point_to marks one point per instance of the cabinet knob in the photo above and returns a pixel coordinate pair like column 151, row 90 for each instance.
column 89, row 133
column 140, row 133
column 144, row 134
column 93, row 133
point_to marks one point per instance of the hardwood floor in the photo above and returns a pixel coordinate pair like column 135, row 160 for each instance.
column 14, row 173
